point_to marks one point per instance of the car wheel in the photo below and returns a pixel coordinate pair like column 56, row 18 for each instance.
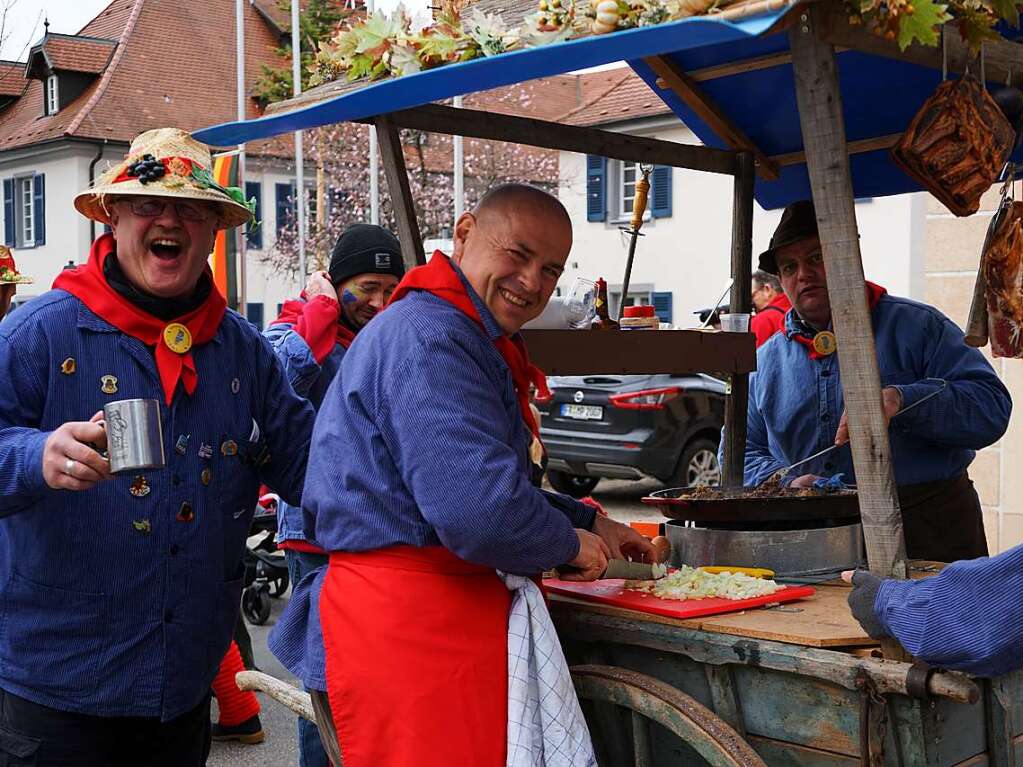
column 698, row 464
column 575, row 485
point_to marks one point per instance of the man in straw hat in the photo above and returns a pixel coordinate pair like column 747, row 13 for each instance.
column 10, row 279
column 120, row 593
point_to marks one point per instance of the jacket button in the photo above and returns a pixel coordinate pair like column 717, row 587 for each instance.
column 174, row 550
column 176, row 480
column 168, row 616
column 826, row 417
column 825, row 373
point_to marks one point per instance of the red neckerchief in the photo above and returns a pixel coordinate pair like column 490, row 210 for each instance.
column 294, row 313
column 439, row 278
column 874, row 293
column 88, row 284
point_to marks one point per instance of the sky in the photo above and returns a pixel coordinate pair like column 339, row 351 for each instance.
column 23, row 21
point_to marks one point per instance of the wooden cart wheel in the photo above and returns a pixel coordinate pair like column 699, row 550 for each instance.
column 650, row 699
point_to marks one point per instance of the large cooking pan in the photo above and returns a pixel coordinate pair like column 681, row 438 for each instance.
column 785, row 511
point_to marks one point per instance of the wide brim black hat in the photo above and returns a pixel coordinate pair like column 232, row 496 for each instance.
column 798, row 222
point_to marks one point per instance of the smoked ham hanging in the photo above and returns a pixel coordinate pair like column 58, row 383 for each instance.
column 1002, row 267
column 956, row 144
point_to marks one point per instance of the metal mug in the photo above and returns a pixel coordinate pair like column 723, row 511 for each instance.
column 134, row 435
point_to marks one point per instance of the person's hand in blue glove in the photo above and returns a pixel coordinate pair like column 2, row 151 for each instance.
column 862, row 598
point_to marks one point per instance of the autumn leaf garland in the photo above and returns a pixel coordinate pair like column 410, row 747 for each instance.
column 378, row 46
column 908, row 21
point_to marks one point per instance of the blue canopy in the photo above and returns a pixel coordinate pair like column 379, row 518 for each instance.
column 880, row 95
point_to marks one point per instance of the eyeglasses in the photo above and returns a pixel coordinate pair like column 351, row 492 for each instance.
column 151, row 207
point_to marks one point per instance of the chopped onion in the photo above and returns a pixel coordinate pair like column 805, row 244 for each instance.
column 689, row 583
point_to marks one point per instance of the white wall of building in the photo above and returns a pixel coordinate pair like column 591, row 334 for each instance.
column 688, row 253
column 65, row 167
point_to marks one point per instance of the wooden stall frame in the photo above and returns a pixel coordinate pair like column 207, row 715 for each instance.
column 815, row 29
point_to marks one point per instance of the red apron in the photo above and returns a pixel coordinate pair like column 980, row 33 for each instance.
column 390, row 615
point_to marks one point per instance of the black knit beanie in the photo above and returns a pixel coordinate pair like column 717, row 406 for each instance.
column 364, row 248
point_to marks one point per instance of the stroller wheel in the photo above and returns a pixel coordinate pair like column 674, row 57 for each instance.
column 279, row 585
column 256, row 604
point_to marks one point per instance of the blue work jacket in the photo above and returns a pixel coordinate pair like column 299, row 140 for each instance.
column 309, row 379
column 969, row 617
column 121, row 600
column 796, row 403
column 420, row 441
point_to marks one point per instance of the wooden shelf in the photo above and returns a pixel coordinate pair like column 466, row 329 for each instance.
column 619, row 352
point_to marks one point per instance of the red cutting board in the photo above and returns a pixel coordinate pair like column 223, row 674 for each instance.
column 610, row 592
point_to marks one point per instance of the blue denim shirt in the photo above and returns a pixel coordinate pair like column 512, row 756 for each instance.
column 795, row 403
column 114, row 603
column 968, row 617
column 309, row 379
column 420, row 441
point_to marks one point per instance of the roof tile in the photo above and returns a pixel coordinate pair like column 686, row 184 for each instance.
column 74, row 54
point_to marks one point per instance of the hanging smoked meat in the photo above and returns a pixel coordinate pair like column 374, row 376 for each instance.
column 956, row 144
column 1002, row 267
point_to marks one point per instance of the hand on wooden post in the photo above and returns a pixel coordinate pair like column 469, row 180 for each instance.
column 891, row 403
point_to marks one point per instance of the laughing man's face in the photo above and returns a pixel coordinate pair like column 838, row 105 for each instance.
column 513, row 257
column 163, row 243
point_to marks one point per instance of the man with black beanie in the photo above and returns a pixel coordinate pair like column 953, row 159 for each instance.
column 310, row 337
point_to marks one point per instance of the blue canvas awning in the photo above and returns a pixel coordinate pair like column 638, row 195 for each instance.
column 880, row 95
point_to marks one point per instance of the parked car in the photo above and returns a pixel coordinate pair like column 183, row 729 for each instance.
column 632, row 427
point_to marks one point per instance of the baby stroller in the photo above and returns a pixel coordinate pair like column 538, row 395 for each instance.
column 266, row 571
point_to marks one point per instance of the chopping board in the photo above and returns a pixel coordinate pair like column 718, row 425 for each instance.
column 611, row 592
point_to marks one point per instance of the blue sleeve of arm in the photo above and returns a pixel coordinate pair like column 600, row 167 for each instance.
column 758, row 463
column 969, row 617
column 973, row 397
column 579, row 514
column 467, row 481
column 21, row 443
column 296, row 357
column 288, row 425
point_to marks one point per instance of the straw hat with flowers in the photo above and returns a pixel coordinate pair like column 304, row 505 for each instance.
column 9, row 274
column 165, row 162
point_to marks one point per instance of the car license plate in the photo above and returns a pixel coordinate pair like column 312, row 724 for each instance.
column 583, row 412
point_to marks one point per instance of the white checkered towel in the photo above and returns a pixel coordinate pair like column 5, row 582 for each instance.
column 546, row 727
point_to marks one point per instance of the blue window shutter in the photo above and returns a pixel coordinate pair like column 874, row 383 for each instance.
column 660, row 192
column 596, row 188
column 662, row 305
column 9, row 236
column 254, row 229
column 285, row 205
column 39, row 205
column 254, row 313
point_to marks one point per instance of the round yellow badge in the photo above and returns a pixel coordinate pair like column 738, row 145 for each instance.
column 825, row 343
column 177, row 338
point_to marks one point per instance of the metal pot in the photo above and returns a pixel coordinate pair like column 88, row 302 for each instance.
column 817, row 553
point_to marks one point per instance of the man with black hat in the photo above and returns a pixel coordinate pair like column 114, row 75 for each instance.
column 958, row 404
column 310, row 337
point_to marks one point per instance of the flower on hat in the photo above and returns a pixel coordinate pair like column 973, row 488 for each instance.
column 166, row 162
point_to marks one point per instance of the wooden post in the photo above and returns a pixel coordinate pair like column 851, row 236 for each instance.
column 742, row 268
column 401, row 194
column 820, row 116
